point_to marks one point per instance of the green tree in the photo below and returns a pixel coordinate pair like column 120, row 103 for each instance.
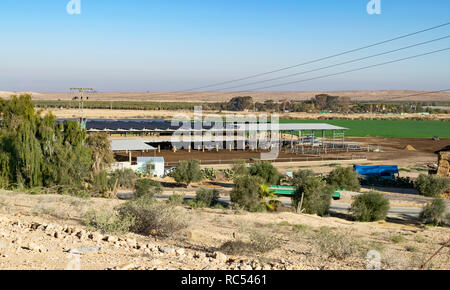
column 188, row 172
column 39, row 151
column 266, row 171
column 100, row 146
column 313, row 196
column 435, row 212
column 344, row 178
column 246, row 192
column 370, row 207
column 432, row 186
column 301, row 176
column 147, row 187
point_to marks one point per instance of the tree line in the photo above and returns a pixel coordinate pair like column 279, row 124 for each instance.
column 38, row 151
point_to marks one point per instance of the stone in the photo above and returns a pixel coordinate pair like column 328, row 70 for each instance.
column 84, row 251
column 193, row 235
column 131, row 243
column 33, row 247
column 167, row 251
column 4, row 220
column 126, row 267
column 111, row 239
column 95, row 237
column 245, row 267
column 219, row 256
column 81, row 234
column 180, row 252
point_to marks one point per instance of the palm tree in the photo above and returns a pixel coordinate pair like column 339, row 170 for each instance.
column 267, row 196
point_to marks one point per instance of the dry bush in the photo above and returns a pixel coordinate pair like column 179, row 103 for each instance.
column 152, row 217
column 258, row 243
column 176, row 199
column 108, row 222
column 335, row 245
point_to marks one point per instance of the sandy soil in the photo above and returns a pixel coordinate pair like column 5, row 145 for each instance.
column 39, row 232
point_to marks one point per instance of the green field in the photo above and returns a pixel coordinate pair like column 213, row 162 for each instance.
column 387, row 128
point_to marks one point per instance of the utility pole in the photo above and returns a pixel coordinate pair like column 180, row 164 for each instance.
column 81, row 98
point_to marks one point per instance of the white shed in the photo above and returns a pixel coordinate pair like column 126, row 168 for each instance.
column 153, row 164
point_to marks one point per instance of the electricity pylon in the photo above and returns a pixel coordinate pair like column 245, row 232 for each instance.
column 81, row 98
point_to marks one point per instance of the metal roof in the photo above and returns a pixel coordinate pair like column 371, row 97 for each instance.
column 293, row 127
column 166, row 126
column 130, row 145
column 305, row 127
column 150, row 159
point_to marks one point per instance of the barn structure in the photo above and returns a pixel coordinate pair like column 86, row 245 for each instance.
column 145, row 135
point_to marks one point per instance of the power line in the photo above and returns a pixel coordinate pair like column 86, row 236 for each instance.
column 352, row 70
column 317, row 60
column 418, row 94
column 334, row 65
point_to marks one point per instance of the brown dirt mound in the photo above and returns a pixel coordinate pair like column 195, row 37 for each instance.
column 410, row 148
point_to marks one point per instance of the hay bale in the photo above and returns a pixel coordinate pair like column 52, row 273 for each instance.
column 444, row 164
column 410, row 148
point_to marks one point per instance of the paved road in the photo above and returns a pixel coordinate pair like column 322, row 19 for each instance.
column 337, row 207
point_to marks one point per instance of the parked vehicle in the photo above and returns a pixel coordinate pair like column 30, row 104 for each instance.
column 169, row 170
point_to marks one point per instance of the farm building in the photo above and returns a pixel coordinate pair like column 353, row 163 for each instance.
column 153, row 165
column 218, row 136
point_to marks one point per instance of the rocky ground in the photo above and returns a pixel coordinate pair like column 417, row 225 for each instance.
column 47, row 232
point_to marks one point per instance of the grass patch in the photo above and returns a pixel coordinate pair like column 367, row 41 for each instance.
column 259, row 243
column 386, row 128
column 301, row 228
column 397, row 239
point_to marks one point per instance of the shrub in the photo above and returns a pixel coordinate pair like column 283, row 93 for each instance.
column 210, row 173
column 402, row 182
column 344, row 178
column 99, row 184
column 259, row 242
column 300, row 176
column 432, row 186
column 147, row 187
column 313, row 196
column 240, row 168
column 125, row 178
column 206, row 197
column 152, row 217
column 108, row 222
column 369, row 207
column 187, row 172
column 176, row 199
column 435, row 212
column 266, row 171
column 397, row 239
column 245, row 193
column 335, row 245
column 263, row 242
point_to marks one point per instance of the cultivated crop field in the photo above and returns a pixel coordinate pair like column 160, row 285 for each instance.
column 388, row 128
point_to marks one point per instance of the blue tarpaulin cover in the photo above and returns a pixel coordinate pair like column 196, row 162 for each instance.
column 380, row 170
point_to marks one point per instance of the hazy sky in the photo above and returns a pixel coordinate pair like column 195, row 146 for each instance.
column 167, row 45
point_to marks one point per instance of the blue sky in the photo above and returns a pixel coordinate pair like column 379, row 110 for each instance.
column 168, row 45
